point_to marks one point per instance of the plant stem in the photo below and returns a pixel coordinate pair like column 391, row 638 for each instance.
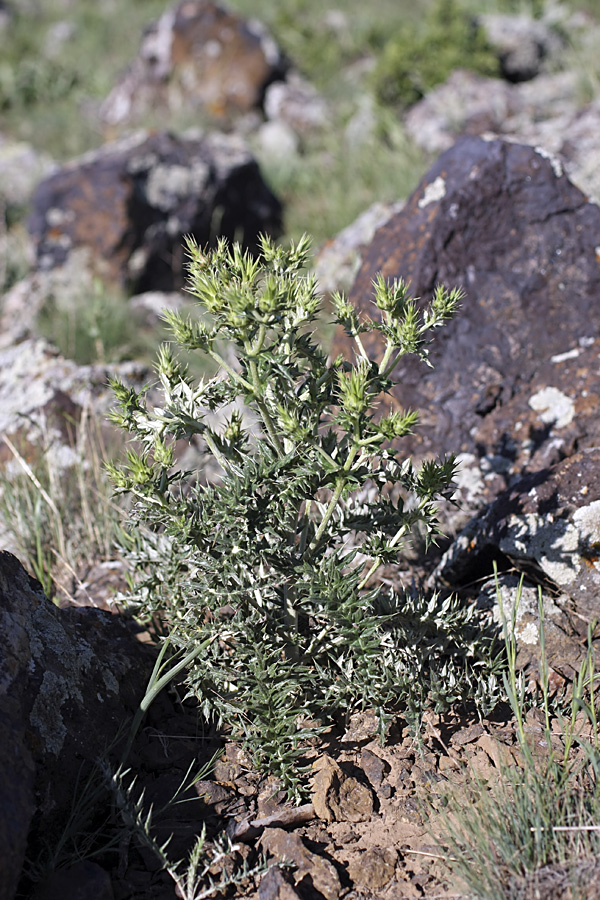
column 215, row 451
column 361, row 348
column 231, row 372
column 386, row 358
column 266, row 416
column 337, row 493
column 304, row 534
column 155, row 686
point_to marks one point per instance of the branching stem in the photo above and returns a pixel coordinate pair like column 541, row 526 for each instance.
column 262, row 407
column 337, row 493
column 230, row 371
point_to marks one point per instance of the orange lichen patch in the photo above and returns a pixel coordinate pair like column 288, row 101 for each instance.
column 220, row 60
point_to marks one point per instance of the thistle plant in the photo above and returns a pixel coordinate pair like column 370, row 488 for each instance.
column 270, row 568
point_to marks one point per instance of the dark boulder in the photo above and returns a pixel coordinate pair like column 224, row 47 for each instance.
column 514, row 387
column 503, row 222
column 132, row 202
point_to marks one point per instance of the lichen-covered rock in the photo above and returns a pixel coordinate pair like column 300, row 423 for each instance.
column 42, row 396
column 524, row 45
column 21, row 167
column 544, row 112
column 513, row 601
column 466, row 103
column 132, row 202
column 65, row 287
column 197, row 55
column 548, row 522
column 297, row 103
column 337, row 262
column 502, row 221
column 70, row 680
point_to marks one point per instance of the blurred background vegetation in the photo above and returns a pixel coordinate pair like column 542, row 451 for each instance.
column 60, row 58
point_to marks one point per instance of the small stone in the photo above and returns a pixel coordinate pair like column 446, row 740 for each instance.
column 232, row 766
column 447, row 764
column 373, row 869
column 337, row 796
column 271, row 798
column 373, row 766
column 289, row 848
column 363, row 726
column 274, row 885
column 215, row 795
column 466, row 735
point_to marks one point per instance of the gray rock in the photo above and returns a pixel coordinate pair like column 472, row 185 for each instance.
column 66, row 286
column 515, row 608
column 297, row 103
column 523, row 45
column 338, row 260
column 550, row 519
column 466, row 103
column 546, row 525
column 21, row 168
column 44, row 394
column 544, row 112
column 277, row 143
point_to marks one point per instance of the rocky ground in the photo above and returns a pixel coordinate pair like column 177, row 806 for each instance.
column 508, row 213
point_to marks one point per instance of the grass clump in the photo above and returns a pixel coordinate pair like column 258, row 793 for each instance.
column 195, row 876
column 90, row 323
column 263, row 578
column 109, row 811
column 58, row 506
column 416, row 60
column 534, row 832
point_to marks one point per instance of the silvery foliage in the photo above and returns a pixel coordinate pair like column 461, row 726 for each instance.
column 276, row 559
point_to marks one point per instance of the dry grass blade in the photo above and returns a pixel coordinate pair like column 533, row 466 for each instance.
column 537, row 823
column 58, row 507
column 43, row 493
